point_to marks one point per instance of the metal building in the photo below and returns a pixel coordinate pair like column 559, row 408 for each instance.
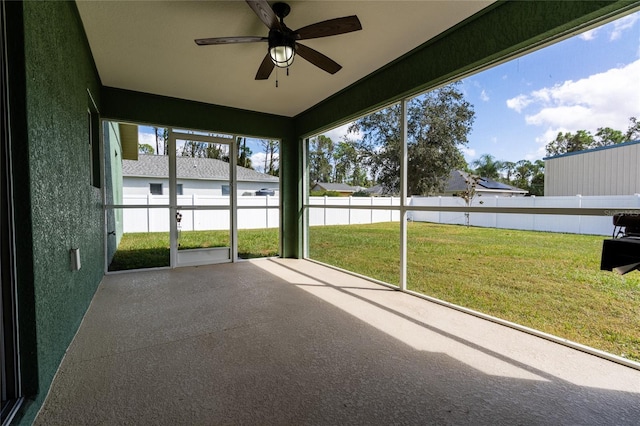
column 609, row 170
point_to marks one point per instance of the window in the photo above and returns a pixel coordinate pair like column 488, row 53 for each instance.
column 155, row 188
column 178, row 189
column 94, row 143
column 225, row 190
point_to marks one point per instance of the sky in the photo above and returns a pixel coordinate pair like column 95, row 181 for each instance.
column 589, row 81
column 585, row 82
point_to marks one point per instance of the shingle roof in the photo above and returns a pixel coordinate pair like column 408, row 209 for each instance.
column 456, row 183
column 190, row 168
column 340, row 187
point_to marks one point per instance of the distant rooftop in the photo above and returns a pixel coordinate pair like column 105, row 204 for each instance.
column 190, row 168
column 456, row 183
column 339, row 187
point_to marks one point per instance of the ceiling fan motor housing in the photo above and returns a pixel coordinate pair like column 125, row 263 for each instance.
column 281, row 9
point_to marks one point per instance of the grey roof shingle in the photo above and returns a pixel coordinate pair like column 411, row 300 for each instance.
column 190, row 168
column 456, row 183
column 340, row 187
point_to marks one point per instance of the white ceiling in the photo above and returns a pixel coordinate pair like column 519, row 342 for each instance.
column 148, row 46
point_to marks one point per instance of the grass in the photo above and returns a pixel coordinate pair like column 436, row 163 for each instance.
column 547, row 281
column 151, row 249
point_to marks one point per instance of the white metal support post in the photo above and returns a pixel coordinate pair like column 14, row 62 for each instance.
column 173, row 201
column 403, row 194
column 305, row 197
column 233, row 186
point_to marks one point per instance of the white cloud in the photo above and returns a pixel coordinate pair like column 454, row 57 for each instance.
column 484, row 96
column 469, row 153
column 623, row 24
column 614, row 29
column 148, row 138
column 519, row 102
column 589, row 35
column 257, row 161
column 606, row 99
column 338, row 133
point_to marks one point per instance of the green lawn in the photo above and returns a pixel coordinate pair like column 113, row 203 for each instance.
column 547, row 281
column 151, row 249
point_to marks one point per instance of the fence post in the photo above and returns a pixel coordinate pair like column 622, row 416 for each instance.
column 371, row 209
column 579, row 217
column 148, row 213
column 266, row 199
column 534, row 216
column 325, row 211
column 349, row 210
column 391, row 210
column 193, row 213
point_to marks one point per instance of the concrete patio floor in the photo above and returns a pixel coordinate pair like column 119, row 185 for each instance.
column 290, row 342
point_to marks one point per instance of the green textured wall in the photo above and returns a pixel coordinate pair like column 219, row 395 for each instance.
column 66, row 210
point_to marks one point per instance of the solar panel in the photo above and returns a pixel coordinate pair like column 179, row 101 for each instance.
column 492, row 184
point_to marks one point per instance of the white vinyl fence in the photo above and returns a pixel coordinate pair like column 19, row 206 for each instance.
column 263, row 212
column 318, row 215
column 593, row 225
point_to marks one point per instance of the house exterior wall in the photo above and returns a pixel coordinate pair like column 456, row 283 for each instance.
column 140, row 186
column 113, row 185
column 66, row 210
column 610, row 170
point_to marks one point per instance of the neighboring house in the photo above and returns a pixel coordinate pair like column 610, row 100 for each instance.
column 484, row 186
column 342, row 188
column 609, row 170
column 377, row 191
column 200, row 176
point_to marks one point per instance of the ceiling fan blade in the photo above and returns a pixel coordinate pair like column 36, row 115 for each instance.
column 228, row 40
column 318, row 59
column 265, row 13
column 328, row 28
column 266, row 67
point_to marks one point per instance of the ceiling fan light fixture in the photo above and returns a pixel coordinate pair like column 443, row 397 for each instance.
column 281, row 49
column 282, row 56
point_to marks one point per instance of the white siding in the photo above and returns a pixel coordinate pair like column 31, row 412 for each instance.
column 610, row 171
column 140, row 186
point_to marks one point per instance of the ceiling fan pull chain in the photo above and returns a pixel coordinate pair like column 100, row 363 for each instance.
column 287, row 71
column 276, row 77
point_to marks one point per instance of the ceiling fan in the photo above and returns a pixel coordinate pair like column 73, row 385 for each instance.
column 283, row 42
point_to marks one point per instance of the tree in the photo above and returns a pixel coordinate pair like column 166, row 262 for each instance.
column 569, row 142
column 509, row 167
column 536, row 184
column 633, row 132
column 271, row 159
column 347, row 164
column 438, row 123
column 320, row 156
column 469, row 193
column 244, row 154
column 606, row 136
column 488, row 167
column 523, row 174
column 194, row 149
column 583, row 139
column 145, row 149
